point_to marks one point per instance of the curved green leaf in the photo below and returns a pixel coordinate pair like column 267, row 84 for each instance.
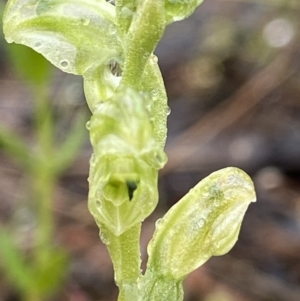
column 74, row 35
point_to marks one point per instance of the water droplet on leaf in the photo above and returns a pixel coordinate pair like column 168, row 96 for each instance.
column 64, row 63
column 9, row 40
column 158, row 223
column 85, row 22
column 104, row 238
column 146, row 55
column 168, row 111
column 112, row 29
column 154, row 94
column 126, row 12
column 154, row 59
column 98, row 204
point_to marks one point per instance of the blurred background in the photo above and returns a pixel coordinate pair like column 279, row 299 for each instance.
column 232, row 74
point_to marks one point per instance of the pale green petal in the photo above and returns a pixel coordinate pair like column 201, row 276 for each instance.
column 202, row 224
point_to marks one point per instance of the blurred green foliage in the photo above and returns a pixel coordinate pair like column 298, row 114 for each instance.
column 38, row 273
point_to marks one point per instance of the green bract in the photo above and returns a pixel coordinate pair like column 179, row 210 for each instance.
column 73, row 35
column 111, row 45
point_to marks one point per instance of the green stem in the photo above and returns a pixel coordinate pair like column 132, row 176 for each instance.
column 32, row 296
column 146, row 29
column 124, row 251
column 43, row 174
column 44, row 123
column 43, row 194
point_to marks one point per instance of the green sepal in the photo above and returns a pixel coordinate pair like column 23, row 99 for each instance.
column 177, row 10
column 204, row 223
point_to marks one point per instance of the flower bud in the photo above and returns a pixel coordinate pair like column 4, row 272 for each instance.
column 204, row 223
column 125, row 164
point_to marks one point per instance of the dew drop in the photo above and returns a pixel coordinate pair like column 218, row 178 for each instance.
column 146, row 55
column 161, row 158
column 92, row 159
column 85, row 22
column 88, row 125
column 98, row 204
column 199, row 224
column 112, row 29
column 154, row 94
column 126, row 12
column 64, row 63
column 37, row 44
column 168, row 111
column 158, row 223
column 154, row 59
column 104, row 238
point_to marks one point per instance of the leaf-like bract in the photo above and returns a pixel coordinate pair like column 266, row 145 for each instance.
column 74, row 35
column 77, row 36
